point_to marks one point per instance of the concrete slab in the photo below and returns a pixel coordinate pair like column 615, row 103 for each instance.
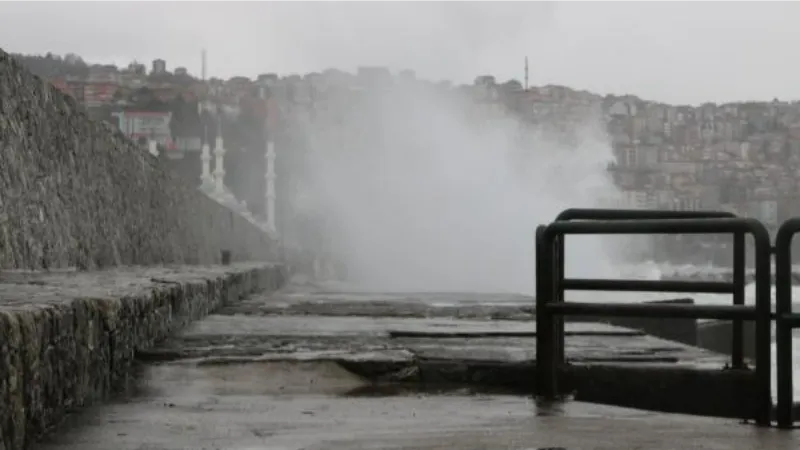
column 220, row 336
column 319, row 406
column 381, row 326
column 304, row 301
column 340, row 300
column 388, row 345
column 580, row 349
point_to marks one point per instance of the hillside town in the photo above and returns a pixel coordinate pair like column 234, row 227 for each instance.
column 742, row 157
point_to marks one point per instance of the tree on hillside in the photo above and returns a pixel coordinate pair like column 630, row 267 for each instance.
column 511, row 86
column 50, row 66
column 144, row 99
column 186, row 121
column 250, row 123
column 165, row 77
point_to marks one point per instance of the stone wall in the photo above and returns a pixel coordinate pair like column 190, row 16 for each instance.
column 76, row 193
column 69, row 339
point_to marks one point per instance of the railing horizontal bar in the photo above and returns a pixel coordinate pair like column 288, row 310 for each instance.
column 654, row 310
column 636, row 214
column 657, row 226
column 790, row 320
column 705, row 287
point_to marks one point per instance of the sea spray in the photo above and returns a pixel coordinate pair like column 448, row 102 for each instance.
column 425, row 188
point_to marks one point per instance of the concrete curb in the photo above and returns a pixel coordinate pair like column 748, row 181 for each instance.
column 69, row 339
column 717, row 336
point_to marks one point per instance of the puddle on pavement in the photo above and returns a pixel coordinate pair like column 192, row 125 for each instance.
column 284, row 378
column 298, row 379
column 417, row 389
column 252, row 378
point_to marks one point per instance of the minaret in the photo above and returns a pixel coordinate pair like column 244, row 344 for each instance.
column 152, row 146
column 203, row 64
column 269, row 177
column 205, row 157
column 526, row 73
column 269, row 173
column 219, row 163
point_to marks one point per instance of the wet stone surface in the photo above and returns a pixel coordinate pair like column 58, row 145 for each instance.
column 68, row 339
column 246, row 378
column 297, row 301
column 335, row 319
column 320, row 406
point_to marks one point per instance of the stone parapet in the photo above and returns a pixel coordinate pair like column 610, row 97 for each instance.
column 69, row 339
column 77, row 193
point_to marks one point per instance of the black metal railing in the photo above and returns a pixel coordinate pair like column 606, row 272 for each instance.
column 786, row 322
column 550, row 285
column 739, row 264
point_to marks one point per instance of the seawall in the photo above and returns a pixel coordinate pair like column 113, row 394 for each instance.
column 103, row 253
column 77, row 193
column 69, row 339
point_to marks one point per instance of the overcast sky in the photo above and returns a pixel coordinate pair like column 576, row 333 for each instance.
column 677, row 52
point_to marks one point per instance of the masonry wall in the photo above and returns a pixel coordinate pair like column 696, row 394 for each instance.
column 69, row 340
column 77, row 193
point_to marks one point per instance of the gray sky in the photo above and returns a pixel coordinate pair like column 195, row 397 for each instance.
column 678, row 52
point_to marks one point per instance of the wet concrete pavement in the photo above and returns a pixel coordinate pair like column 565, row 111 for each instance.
column 304, row 320
column 261, row 374
column 318, row 405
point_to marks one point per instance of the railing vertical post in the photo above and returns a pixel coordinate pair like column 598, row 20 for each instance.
column 558, row 291
column 763, row 325
column 737, row 334
column 551, row 281
column 545, row 345
column 783, row 332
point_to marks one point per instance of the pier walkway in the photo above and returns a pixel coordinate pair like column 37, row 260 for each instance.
column 325, row 366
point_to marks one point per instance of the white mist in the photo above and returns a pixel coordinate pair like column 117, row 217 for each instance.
column 422, row 195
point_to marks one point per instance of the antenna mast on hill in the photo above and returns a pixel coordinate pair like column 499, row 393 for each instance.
column 526, row 73
column 203, row 62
